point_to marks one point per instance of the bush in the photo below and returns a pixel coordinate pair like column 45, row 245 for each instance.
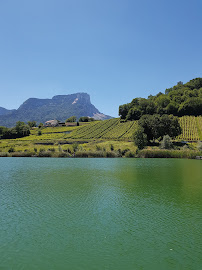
column 71, row 119
column 39, row 132
column 44, row 154
column 199, row 146
column 40, row 125
column 51, row 149
column 11, row 150
column 75, row 147
column 98, row 148
column 111, row 147
column 59, row 148
column 124, row 151
column 63, row 154
column 166, row 143
column 129, row 155
column 111, row 155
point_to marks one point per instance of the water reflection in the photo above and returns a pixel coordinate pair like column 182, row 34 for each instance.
column 100, row 213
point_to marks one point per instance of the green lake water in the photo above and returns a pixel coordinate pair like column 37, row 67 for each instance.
column 100, row 214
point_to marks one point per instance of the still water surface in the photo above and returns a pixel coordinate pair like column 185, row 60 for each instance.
column 100, row 214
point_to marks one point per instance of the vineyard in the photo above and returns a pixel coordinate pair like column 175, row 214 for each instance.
column 191, row 128
column 114, row 129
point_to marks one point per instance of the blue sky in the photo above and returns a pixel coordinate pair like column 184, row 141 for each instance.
column 115, row 50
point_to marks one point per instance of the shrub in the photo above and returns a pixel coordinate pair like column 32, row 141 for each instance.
column 39, row 132
column 63, row 154
column 111, row 147
column 199, row 146
column 71, row 119
column 166, row 143
column 110, row 154
column 129, row 155
column 69, row 150
column 44, row 154
column 40, row 125
column 59, row 148
column 11, row 150
column 124, row 151
column 98, row 148
column 75, row 147
column 51, row 149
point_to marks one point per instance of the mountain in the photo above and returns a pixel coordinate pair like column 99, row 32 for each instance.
column 59, row 107
column 4, row 111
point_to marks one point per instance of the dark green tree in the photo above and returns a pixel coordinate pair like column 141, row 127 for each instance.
column 31, row 124
column 71, row 119
column 140, row 138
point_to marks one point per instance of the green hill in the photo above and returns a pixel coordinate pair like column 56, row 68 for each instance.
column 179, row 100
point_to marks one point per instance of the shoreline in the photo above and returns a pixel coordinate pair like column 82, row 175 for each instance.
column 145, row 153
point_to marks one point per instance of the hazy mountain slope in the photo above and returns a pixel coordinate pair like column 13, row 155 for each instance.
column 4, row 111
column 59, row 107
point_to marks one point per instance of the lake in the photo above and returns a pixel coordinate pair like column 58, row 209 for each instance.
column 100, row 213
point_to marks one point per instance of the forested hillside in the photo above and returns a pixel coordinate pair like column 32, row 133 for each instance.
column 179, row 100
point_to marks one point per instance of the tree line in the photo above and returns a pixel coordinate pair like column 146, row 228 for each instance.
column 181, row 99
column 19, row 131
column 81, row 119
column 155, row 127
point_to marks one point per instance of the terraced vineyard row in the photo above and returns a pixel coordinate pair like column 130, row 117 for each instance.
column 114, row 129
column 199, row 125
column 190, row 128
column 108, row 129
column 93, row 130
column 121, row 130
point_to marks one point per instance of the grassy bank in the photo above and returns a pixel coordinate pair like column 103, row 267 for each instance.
column 126, row 153
column 160, row 153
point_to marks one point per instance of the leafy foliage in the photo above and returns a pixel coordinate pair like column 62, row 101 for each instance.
column 166, row 143
column 156, row 126
column 71, row 119
column 31, row 124
column 181, row 99
column 19, row 131
column 86, row 119
column 140, row 138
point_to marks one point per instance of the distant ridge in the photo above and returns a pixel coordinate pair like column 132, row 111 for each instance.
column 60, row 107
column 4, row 111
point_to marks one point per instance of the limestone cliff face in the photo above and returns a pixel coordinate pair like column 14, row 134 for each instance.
column 60, row 107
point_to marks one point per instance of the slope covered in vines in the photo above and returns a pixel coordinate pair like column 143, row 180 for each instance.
column 115, row 129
